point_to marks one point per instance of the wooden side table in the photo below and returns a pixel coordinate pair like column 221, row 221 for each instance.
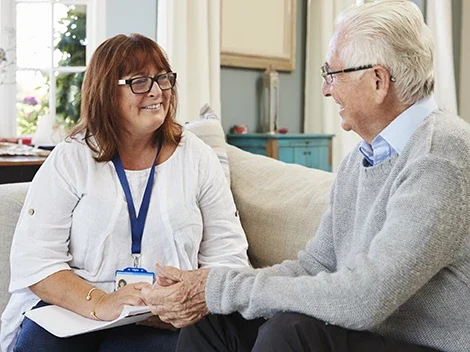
column 311, row 150
column 19, row 168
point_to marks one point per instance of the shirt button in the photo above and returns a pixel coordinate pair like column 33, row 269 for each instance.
column 31, row 211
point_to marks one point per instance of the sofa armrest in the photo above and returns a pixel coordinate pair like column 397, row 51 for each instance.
column 12, row 197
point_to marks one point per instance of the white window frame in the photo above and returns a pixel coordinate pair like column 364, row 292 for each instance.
column 96, row 24
column 8, row 87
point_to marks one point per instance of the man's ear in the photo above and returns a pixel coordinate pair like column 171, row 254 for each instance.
column 382, row 83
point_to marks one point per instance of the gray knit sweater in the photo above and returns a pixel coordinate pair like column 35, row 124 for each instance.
column 391, row 255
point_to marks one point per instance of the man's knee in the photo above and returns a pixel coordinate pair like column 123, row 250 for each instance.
column 292, row 329
column 290, row 322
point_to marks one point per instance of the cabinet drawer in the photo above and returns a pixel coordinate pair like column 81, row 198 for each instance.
column 318, row 142
column 252, row 145
column 247, row 142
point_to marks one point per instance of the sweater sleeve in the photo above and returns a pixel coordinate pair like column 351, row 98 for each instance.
column 319, row 255
column 426, row 229
column 44, row 223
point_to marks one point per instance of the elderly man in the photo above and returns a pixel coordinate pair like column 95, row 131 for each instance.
column 389, row 267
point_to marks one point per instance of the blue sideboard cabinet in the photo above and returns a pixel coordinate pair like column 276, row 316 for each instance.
column 311, row 150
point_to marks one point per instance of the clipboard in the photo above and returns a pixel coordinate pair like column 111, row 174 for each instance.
column 62, row 322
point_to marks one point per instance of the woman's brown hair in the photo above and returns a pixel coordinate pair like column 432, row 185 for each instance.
column 99, row 119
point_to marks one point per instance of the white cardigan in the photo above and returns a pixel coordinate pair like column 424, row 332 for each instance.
column 75, row 217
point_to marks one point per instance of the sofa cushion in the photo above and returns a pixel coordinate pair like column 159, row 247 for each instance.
column 12, row 196
column 209, row 129
column 280, row 204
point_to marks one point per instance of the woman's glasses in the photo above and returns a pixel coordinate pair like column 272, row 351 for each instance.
column 142, row 85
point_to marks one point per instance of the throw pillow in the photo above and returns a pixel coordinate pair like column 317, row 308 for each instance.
column 209, row 129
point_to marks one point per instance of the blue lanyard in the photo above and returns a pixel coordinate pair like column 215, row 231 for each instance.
column 137, row 222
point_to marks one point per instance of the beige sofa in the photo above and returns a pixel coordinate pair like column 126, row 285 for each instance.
column 280, row 207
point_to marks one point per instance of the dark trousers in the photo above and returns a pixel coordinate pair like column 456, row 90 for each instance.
column 284, row 332
column 133, row 337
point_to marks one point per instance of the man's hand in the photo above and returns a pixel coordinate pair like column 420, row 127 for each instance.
column 178, row 297
column 155, row 322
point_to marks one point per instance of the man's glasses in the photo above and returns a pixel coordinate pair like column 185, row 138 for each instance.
column 328, row 75
column 142, row 85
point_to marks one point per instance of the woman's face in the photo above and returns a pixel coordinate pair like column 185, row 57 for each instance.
column 143, row 114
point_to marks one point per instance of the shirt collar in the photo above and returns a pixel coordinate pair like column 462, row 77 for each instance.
column 393, row 138
column 400, row 130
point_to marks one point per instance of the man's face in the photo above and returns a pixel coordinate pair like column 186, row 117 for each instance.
column 352, row 94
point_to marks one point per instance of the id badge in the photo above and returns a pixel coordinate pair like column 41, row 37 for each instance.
column 133, row 275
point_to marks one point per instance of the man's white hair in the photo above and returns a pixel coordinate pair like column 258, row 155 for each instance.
column 391, row 33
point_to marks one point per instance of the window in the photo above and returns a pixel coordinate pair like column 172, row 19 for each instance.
column 52, row 40
column 50, row 59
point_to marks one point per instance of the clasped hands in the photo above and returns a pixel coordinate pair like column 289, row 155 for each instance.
column 177, row 297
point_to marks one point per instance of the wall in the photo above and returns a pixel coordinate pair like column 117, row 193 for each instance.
column 136, row 16
column 456, row 32
column 241, row 88
column 421, row 4
column 464, row 84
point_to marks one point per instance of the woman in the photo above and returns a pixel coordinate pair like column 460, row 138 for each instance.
column 128, row 188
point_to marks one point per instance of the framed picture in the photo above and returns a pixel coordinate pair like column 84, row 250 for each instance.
column 258, row 34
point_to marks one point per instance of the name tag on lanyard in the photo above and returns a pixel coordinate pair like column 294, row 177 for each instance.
column 135, row 274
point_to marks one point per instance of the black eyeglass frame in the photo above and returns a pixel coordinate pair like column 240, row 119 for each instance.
column 325, row 73
column 154, row 79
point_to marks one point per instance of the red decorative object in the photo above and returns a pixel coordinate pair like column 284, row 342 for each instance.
column 283, row 130
column 26, row 140
column 240, row 129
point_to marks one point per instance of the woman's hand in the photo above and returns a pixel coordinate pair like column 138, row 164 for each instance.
column 110, row 305
column 67, row 290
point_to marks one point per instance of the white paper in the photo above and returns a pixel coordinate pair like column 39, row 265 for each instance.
column 62, row 322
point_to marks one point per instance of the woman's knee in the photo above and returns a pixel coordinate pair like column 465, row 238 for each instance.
column 32, row 337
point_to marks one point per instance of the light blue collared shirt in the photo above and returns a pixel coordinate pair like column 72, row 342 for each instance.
column 393, row 138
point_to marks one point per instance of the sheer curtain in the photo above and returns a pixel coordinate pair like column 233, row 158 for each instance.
column 321, row 114
column 439, row 20
column 464, row 101
column 96, row 20
column 189, row 31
